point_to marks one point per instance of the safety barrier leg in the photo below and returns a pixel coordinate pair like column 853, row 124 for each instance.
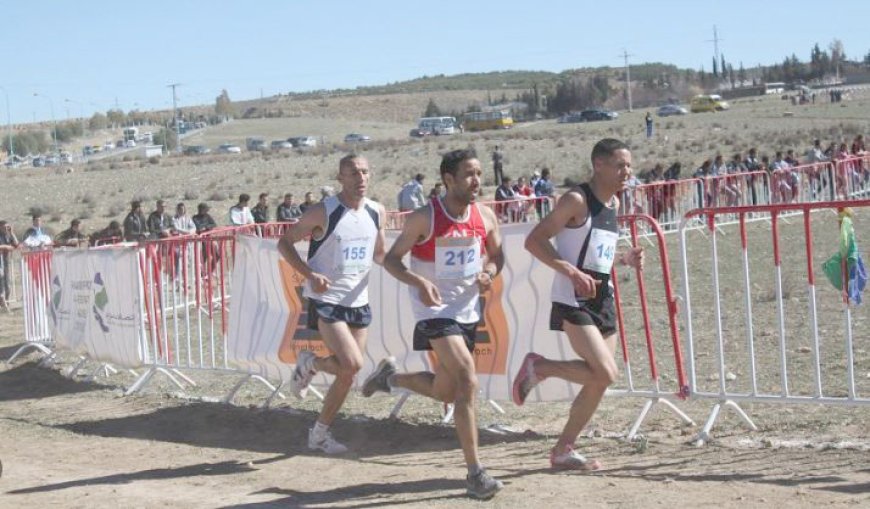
column 704, row 436
column 394, row 413
column 647, row 407
column 143, row 380
column 42, row 348
column 75, row 369
column 273, row 390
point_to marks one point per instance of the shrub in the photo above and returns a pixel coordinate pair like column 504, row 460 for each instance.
column 217, row 196
column 154, row 160
column 191, row 195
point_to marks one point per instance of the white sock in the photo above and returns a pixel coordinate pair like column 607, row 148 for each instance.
column 319, row 430
column 473, row 470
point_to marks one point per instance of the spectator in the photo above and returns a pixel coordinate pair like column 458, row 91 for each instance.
column 135, row 225
column 649, row 125
column 72, row 236
column 815, row 154
column 791, row 159
column 673, row 172
column 108, row 235
column 718, row 166
column 858, row 146
column 506, row 212
column 544, row 192
column 751, row 162
column 182, row 223
column 309, row 201
column 735, row 165
column 437, row 191
column 159, row 222
column 8, row 243
column 411, row 196
column 240, row 214
column 536, row 175
column 260, row 211
column 497, row 165
column 326, row 192
column 203, row 220
column 287, row 210
column 36, row 236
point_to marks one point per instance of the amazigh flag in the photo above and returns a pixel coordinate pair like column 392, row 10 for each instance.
column 854, row 264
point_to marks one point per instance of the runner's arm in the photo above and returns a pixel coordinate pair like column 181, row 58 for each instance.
column 416, row 228
column 311, row 223
column 569, row 206
column 380, row 240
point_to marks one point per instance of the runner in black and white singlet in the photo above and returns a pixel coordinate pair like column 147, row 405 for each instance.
column 456, row 253
column 347, row 236
column 584, row 225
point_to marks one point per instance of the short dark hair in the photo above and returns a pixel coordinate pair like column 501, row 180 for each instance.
column 202, row 206
column 344, row 161
column 180, row 204
column 244, row 197
column 75, row 222
column 36, row 216
column 450, row 161
column 264, row 195
column 160, row 203
column 419, row 177
column 135, row 204
column 288, row 195
column 606, row 148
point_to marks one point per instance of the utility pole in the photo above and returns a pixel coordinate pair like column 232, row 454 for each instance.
column 9, row 125
column 625, row 56
column 175, row 115
column 715, row 40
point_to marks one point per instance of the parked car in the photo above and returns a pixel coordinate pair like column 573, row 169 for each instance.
column 356, row 138
column 52, row 160
column 281, row 145
column 130, row 143
column 592, row 115
column 418, row 132
column 195, row 150
column 66, row 158
column 303, row 141
column 570, row 118
column 254, row 144
column 671, row 109
column 229, row 148
column 38, row 162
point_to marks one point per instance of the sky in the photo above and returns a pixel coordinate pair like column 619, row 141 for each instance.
column 93, row 55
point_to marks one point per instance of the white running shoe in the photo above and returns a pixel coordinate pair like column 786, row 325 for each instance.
column 303, row 374
column 325, row 443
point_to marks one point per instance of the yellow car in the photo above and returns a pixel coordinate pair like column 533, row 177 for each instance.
column 701, row 103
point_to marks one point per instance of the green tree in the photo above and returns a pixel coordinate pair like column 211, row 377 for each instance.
column 28, row 142
column 167, row 138
column 741, row 74
column 97, row 121
column 116, row 118
column 223, row 107
column 432, row 109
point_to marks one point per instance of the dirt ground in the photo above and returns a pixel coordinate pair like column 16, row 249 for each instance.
column 72, row 443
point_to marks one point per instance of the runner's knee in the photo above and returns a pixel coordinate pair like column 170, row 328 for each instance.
column 466, row 383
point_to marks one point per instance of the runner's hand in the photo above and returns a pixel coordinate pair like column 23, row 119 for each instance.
column 429, row 294
column 633, row 258
column 585, row 285
column 484, row 281
column 319, row 282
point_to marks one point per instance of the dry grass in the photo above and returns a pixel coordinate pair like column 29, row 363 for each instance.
column 395, row 158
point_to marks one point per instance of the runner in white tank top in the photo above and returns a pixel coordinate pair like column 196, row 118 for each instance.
column 456, row 252
column 347, row 235
column 586, row 233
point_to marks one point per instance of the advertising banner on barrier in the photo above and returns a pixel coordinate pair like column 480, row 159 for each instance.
column 93, row 310
column 267, row 324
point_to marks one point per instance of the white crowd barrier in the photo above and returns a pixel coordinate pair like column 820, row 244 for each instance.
column 268, row 326
column 777, row 335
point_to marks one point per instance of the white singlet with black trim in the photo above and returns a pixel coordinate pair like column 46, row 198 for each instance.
column 591, row 247
column 344, row 252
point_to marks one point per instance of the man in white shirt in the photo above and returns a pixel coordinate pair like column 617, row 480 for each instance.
column 240, row 214
column 182, row 223
column 411, row 197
